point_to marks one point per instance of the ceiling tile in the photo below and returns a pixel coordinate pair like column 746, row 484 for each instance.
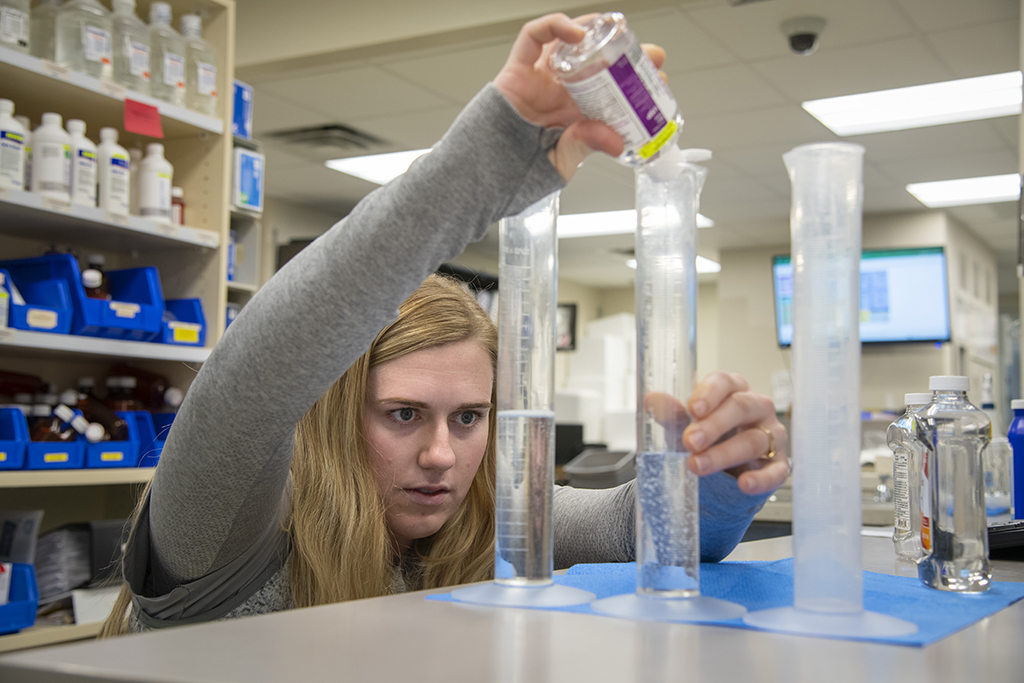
column 979, row 50
column 356, row 93
column 854, row 70
column 918, row 143
column 687, row 46
column 600, row 184
column 316, row 182
column 272, row 113
column 949, row 167
column 409, row 130
column 1008, row 128
column 754, row 128
column 724, row 89
column 752, row 31
column 436, row 73
column 932, row 15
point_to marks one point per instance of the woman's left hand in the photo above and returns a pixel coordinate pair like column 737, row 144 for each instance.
column 730, row 428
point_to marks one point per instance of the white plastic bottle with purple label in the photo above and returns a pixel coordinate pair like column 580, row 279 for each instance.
column 612, row 80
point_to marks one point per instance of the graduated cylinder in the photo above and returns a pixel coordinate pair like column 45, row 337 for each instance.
column 826, row 244
column 668, row 531
column 526, row 416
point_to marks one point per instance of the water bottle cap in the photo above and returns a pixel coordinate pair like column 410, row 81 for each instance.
column 949, row 383
column 94, row 433
column 191, row 25
column 76, row 126
column 108, row 134
column 917, row 399
column 160, row 13
column 128, row 5
column 1017, row 404
column 92, row 278
column 696, row 154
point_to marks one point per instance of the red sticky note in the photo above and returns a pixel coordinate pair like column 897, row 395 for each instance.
column 143, row 119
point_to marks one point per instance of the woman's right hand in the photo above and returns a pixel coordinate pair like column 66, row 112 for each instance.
column 528, row 83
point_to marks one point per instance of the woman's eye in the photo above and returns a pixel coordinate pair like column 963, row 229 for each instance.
column 468, row 418
column 403, row 414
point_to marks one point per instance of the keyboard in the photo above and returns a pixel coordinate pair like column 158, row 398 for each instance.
column 1006, row 534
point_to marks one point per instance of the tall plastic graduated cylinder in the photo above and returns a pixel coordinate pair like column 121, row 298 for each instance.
column 826, row 245
column 527, row 274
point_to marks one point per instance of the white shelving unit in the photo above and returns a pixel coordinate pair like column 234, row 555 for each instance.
column 192, row 262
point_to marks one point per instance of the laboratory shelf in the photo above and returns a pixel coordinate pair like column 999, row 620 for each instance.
column 242, row 287
column 21, row 479
column 46, row 345
column 85, row 97
column 37, row 636
column 32, row 216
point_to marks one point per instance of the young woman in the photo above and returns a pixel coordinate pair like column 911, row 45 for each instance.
column 281, row 485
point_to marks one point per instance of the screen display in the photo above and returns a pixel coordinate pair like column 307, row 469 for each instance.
column 903, row 296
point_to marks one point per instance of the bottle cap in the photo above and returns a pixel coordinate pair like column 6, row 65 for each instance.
column 42, row 410
column 1017, row 404
column 76, row 126
column 108, row 134
column 128, row 382
column 135, row 154
column 64, row 413
column 696, row 154
column 79, row 423
column 160, row 13
column 95, row 260
column 94, row 433
column 6, row 107
column 49, row 118
column 949, row 383
column 69, row 397
column 155, row 148
column 917, row 399
column 174, row 396
column 86, row 382
column 114, row 382
column 191, row 25
column 48, row 399
column 128, row 5
column 92, row 278
column 177, row 192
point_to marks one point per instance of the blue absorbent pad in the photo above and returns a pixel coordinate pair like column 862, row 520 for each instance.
column 766, row 585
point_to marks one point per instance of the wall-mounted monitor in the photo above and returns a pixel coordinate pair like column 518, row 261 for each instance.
column 904, row 296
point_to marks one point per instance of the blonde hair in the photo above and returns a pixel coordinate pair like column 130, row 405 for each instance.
column 341, row 546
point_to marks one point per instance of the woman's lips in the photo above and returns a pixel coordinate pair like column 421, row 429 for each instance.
column 427, row 495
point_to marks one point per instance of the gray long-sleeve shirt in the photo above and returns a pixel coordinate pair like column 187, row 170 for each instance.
column 209, row 542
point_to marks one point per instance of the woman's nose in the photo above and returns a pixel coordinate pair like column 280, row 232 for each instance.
column 437, row 454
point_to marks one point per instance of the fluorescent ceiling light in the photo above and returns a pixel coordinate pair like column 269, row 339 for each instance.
column 377, row 168
column 607, row 223
column 933, row 104
column 704, row 265
column 987, row 190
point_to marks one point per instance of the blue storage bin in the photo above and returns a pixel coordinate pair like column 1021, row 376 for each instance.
column 13, row 438
column 185, row 324
column 22, row 602
column 46, row 303
column 55, row 455
column 135, row 313
column 149, row 451
column 116, row 453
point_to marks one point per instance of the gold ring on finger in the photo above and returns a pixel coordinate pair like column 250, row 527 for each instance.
column 771, row 444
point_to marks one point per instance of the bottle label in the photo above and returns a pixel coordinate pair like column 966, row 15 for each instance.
column 139, row 60
column 206, row 79
column 115, row 199
column 12, row 160
column 155, row 196
column 51, row 167
column 631, row 98
column 97, row 45
column 83, row 178
column 926, row 504
column 13, row 27
column 900, row 489
column 174, row 70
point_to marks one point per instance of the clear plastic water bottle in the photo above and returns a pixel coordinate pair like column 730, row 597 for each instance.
column 43, row 28
column 1016, row 438
column 907, row 454
column 14, row 24
column 200, row 67
column 167, row 56
column 83, row 38
column 956, row 433
column 131, row 48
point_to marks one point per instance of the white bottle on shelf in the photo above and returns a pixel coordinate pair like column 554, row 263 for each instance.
column 51, row 159
column 167, row 56
column 155, row 184
column 27, row 125
column 200, row 67
column 83, row 38
column 14, row 22
column 135, row 167
column 114, row 180
column 12, row 149
column 42, row 29
column 131, row 47
column 83, row 165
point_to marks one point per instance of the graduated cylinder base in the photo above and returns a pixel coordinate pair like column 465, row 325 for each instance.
column 862, row 624
column 502, row 595
column 699, row 608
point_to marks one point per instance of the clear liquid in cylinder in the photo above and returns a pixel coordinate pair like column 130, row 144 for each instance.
column 668, row 524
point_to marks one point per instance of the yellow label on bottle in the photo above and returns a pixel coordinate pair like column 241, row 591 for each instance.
column 55, row 457
column 40, row 319
column 113, row 456
column 658, row 141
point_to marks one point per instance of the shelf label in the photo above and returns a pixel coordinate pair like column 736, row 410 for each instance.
column 51, row 204
column 55, row 457
column 166, row 229
column 207, row 238
column 143, row 119
column 124, row 310
column 185, row 333
column 117, row 218
column 55, row 70
column 3, row 456
column 112, row 89
column 38, row 319
column 7, row 335
column 112, row 456
column 4, row 194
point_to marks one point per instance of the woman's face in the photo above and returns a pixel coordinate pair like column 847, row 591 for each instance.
column 426, row 420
